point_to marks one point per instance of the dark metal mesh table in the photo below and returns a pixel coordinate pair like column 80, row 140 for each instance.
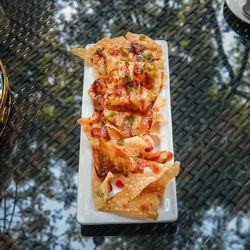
column 210, row 76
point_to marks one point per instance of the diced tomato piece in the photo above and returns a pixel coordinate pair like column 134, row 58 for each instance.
column 151, row 48
column 99, row 51
column 143, row 164
column 99, row 102
column 149, row 148
column 119, row 184
column 137, row 169
column 136, row 48
column 144, row 207
column 125, row 205
column 148, row 82
column 169, row 157
column 146, row 123
column 104, row 133
column 140, row 167
column 96, row 132
column 156, row 168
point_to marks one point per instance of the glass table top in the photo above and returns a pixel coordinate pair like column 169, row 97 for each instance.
column 39, row 150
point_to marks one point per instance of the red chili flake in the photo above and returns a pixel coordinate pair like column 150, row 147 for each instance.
column 144, row 207
column 98, row 85
column 156, row 168
column 99, row 51
column 149, row 81
column 116, row 52
column 119, row 184
column 125, row 205
column 136, row 48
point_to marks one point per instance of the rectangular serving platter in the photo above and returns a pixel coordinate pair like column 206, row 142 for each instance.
column 86, row 213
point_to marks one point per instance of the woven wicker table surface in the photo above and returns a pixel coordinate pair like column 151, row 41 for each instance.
column 210, row 81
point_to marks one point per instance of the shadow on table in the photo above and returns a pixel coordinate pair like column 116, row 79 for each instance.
column 129, row 229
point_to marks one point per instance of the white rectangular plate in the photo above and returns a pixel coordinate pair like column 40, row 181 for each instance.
column 86, row 214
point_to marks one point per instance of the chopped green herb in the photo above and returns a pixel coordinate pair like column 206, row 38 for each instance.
column 125, row 51
column 120, row 166
column 111, row 116
column 103, row 158
column 142, row 37
column 135, row 132
column 147, row 55
column 136, row 102
column 131, row 118
column 120, row 142
column 99, row 194
column 156, row 216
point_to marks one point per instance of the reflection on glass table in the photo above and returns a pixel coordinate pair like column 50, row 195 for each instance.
column 210, row 73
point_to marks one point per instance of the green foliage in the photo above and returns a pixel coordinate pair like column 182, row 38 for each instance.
column 181, row 16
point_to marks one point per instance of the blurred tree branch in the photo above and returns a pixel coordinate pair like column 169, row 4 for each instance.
column 218, row 39
column 235, row 82
column 13, row 210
